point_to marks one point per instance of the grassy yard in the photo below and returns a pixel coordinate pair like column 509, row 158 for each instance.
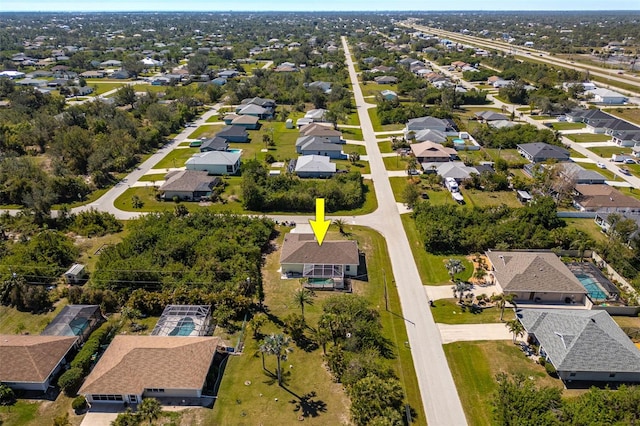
column 21, row 413
column 608, row 151
column 377, row 127
column 385, row 147
column 447, row 311
column 540, row 117
column 587, row 226
column 251, row 396
column 100, row 88
column 474, row 366
column 431, row 266
column 213, row 119
column 205, row 131
column 604, row 172
column 352, row 134
column 176, row 158
column 629, row 114
column 152, row 177
column 478, row 198
column 395, row 163
column 89, row 246
column 588, row 137
column 565, row 125
column 373, row 88
column 231, row 194
column 397, row 186
column 13, row 321
column 353, row 119
column 575, row 154
column 360, row 149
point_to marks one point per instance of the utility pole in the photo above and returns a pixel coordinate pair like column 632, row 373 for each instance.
column 386, row 295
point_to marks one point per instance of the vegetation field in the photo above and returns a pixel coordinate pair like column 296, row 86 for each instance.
column 565, row 125
column 176, row 158
column 349, row 133
column 377, row 127
column 385, row 147
column 373, row 88
column 249, row 394
column 629, row 114
column 13, row 321
column 152, row 177
column 430, row 266
column 587, row 137
column 395, row 163
column 478, row 198
column 474, row 366
column 608, row 151
column 100, row 86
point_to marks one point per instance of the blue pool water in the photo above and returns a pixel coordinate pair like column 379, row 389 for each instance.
column 458, row 142
column 235, row 150
column 184, row 328
column 595, row 292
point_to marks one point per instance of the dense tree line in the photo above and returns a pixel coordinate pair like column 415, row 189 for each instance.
column 454, row 229
column 261, row 192
column 201, row 250
column 511, row 137
column 518, row 401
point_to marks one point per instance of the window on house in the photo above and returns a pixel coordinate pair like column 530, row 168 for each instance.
column 348, row 268
column 229, row 169
column 572, row 374
column 612, row 374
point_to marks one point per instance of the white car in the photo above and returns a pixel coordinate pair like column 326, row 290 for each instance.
column 601, row 165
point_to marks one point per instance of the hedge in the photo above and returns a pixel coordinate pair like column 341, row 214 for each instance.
column 83, row 358
column 71, row 380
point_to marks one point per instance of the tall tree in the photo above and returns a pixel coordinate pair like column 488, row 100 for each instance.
column 278, row 346
column 454, row 266
column 515, row 328
column 303, row 296
column 501, row 301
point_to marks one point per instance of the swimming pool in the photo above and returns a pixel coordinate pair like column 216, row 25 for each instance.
column 458, row 141
column 184, row 327
column 236, row 150
column 595, row 291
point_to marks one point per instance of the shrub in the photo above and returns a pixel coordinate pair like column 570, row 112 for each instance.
column 71, row 380
column 79, row 403
column 542, row 361
column 7, row 397
column 83, row 358
column 551, row 370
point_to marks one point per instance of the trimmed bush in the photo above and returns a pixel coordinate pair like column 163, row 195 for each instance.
column 79, row 403
column 71, row 380
column 542, row 361
column 7, row 397
column 83, row 358
column 551, row 370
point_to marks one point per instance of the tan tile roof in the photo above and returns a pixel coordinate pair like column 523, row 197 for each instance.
column 533, row 271
column 134, row 363
column 315, row 129
column 600, row 196
column 303, row 248
column 245, row 119
column 31, row 358
column 431, row 150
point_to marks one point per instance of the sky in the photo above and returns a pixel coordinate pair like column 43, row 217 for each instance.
column 325, row 5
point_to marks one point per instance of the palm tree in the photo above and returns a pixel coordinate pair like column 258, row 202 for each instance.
column 412, row 165
column 340, row 223
column 516, row 328
column 149, row 409
column 460, row 288
column 501, row 301
column 303, row 296
column 321, row 336
column 454, row 266
column 277, row 345
column 129, row 314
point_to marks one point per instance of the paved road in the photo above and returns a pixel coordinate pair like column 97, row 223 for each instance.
column 438, row 391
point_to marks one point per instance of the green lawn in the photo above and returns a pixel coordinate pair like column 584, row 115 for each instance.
column 261, row 401
column 395, row 163
column 205, row 131
column 565, row 125
column 439, row 196
column 479, row 198
column 213, row 119
column 629, row 114
column 588, row 226
column 588, row 137
column 431, row 266
column 152, row 177
column 385, row 147
column 447, row 311
column 360, row 166
column 575, row 154
column 100, row 86
column 373, row 88
column 397, row 186
column 360, row 149
column 353, row 134
column 353, row 119
column 474, row 366
column 540, row 117
column 377, row 127
column 608, row 151
column 13, row 321
column 604, row 172
column 21, row 413
column 176, row 158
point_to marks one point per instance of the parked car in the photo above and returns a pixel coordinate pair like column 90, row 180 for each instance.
column 601, row 165
column 629, row 161
column 625, row 171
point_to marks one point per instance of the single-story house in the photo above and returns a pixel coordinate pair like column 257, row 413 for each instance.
column 487, row 116
column 323, row 86
column 215, row 162
column 11, row 74
column 323, row 131
column 31, row 362
column 536, row 277
column 134, row 367
column 247, row 121
column 431, row 152
column 228, row 118
column 301, row 256
column 188, row 185
column 111, row 63
column 314, row 166
column 582, row 345
column 219, row 81
column 580, row 175
column 120, row 75
column 316, row 145
column 423, row 123
column 234, row 134
column 386, row 79
column 603, row 198
column 538, row 152
column 76, row 274
column 316, row 114
column 254, row 110
column 214, row 144
column 389, row 95
column 75, row 320
column 455, row 170
column 429, row 135
column 263, row 102
column 228, row 74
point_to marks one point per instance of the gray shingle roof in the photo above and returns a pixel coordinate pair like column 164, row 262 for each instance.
column 518, row 271
column 302, row 248
column 544, row 150
column 581, row 340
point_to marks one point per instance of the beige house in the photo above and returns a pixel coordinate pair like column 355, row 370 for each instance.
column 321, row 130
column 536, row 277
column 431, row 152
column 134, row 367
column 328, row 263
column 32, row 362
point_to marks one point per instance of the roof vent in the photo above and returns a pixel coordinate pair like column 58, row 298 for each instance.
column 561, row 338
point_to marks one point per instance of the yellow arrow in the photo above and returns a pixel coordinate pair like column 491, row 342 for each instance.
column 320, row 226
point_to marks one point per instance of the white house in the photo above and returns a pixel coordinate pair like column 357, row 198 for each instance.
column 606, row 96
column 215, row 162
column 316, row 166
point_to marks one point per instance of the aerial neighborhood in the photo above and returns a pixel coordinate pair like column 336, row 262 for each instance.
column 399, row 218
